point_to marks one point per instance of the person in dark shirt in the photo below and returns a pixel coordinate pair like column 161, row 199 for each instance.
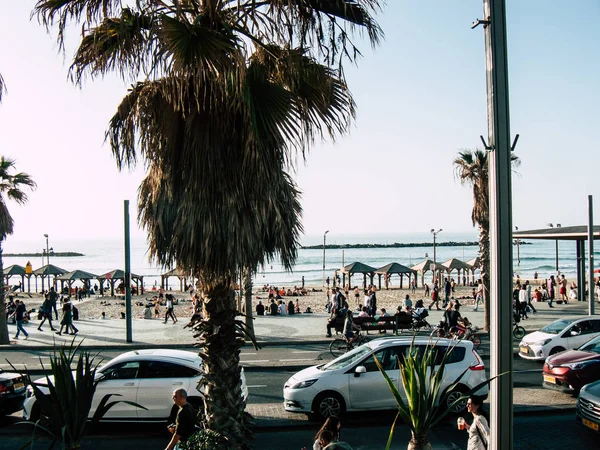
column 185, row 423
column 273, row 308
column 19, row 314
column 260, row 309
column 53, row 297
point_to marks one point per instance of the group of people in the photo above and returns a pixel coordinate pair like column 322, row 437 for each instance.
column 278, row 293
column 278, row 308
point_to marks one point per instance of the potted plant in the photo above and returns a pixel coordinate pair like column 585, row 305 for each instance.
column 422, row 374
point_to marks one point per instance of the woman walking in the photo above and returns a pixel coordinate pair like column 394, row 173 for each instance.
column 67, row 318
column 479, row 430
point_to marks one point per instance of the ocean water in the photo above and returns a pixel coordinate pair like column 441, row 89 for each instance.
column 102, row 256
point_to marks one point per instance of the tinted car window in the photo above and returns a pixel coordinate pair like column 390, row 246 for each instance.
column 162, row 369
column 583, row 327
column 386, row 357
column 596, row 326
column 592, row 346
column 557, row 326
column 122, row 371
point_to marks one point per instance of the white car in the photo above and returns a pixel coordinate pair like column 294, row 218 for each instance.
column 558, row 336
column 352, row 382
column 146, row 377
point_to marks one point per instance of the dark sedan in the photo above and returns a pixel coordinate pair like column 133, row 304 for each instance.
column 571, row 370
column 588, row 406
column 12, row 392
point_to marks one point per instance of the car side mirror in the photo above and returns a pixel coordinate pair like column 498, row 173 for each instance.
column 99, row 376
column 574, row 332
column 359, row 370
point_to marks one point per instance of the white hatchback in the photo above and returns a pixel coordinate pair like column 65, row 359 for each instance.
column 146, row 377
column 352, row 382
column 558, row 336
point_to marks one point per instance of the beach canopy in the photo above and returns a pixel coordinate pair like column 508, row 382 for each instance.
column 395, row 268
column 76, row 275
column 176, row 272
column 116, row 274
column 15, row 269
column 357, row 267
column 425, row 266
column 475, row 263
column 456, row 264
column 49, row 269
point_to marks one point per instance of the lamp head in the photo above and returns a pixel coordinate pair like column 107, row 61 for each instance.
column 46, row 236
column 551, row 225
column 326, row 232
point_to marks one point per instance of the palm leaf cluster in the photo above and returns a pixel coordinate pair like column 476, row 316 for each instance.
column 2, row 87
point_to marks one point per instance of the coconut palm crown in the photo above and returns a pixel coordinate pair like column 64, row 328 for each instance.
column 12, row 187
column 471, row 168
column 226, row 95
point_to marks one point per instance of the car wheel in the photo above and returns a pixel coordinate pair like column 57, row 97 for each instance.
column 329, row 404
column 556, row 350
column 451, row 397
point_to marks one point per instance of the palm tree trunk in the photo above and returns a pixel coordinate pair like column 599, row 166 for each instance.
column 220, row 342
column 484, row 257
column 248, row 298
column 419, row 442
column 4, row 338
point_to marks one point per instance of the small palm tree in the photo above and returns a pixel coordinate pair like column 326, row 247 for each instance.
column 11, row 188
column 471, row 168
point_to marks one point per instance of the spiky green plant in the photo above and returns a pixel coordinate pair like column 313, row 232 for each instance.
column 422, row 381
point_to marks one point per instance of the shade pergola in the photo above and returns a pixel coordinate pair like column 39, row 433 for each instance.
column 16, row 270
column 47, row 271
column 579, row 234
column 357, row 267
column 395, row 268
column 425, row 266
column 459, row 266
column 475, row 264
column 119, row 275
column 74, row 275
column 164, row 278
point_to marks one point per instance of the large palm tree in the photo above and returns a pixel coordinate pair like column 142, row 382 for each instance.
column 11, row 188
column 471, row 168
column 228, row 93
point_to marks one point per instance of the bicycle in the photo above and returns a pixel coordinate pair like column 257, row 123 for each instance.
column 468, row 332
column 518, row 331
column 339, row 346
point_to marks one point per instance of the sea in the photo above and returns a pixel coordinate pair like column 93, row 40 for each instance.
column 104, row 255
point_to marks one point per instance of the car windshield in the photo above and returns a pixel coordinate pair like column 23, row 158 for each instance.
column 591, row 346
column 348, row 359
column 557, row 326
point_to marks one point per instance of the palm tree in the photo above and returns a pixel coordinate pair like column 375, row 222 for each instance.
column 228, row 94
column 471, row 168
column 2, row 87
column 11, row 186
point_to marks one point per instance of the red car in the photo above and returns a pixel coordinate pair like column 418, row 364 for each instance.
column 571, row 370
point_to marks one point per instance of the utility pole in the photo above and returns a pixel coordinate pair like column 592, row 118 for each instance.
column 501, row 273
column 127, row 280
column 324, row 245
column 591, row 286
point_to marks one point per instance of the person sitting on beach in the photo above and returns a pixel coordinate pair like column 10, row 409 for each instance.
column 290, row 308
column 281, row 309
column 297, row 307
column 289, row 293
column 260, row 309
column 148, row 312
column 273, row 308
column 364, row 312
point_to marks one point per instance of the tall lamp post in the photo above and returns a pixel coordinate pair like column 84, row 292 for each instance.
column 551, row 225
column 435, row 233
column 324, row 245
column 47, row 249
column 518, row 242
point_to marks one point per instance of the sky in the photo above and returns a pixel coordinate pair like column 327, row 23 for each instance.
column 421, row 98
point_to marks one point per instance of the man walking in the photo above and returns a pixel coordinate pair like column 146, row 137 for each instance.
column 551, row 287
column 53, row 297
column 19, row 314
column 185, row 422
column 46, row 310
column 170, row 309
column 447, row 292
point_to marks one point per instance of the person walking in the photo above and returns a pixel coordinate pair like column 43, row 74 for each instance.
column 170, row 310
column 67, row 318
column 53, row 297
column 46, row 311
column 447, row 292
column 551, row 288
column 528, row 289
column 435, row 297
column 523, row 301
column 19, row 313
column 479, row 430
column 185, row 422
column 478, row 295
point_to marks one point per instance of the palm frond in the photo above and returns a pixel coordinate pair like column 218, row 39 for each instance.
column 2, row 87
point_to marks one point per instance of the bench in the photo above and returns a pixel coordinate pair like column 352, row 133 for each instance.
column 393, row 323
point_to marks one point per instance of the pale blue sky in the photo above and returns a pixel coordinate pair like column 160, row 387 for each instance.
column 421, row 97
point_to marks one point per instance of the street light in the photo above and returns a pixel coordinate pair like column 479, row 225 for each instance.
column 324, row 244
column 551, row 225
column 518, row 242
column 435, row 233
column 47, row 249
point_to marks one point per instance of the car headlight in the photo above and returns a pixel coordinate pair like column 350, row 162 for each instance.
column 579, row 365
column 541, row 343
column 303, row 384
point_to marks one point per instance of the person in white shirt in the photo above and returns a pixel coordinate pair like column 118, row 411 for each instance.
column 281, row 309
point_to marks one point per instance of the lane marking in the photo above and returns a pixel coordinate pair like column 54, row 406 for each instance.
column 307, row 351
column 255, row 361
column 297, row 359
column 257, row 386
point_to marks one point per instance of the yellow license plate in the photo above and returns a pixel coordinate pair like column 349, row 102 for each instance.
column 18, row 386
column 593, row 425
column 523, row 349
column 549, row 379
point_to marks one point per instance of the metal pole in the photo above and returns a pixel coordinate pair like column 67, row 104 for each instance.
column 591, row 253
column 324, row 245
column 556, row 257
column 499, row 166
column 434, row 258
column 127, row 280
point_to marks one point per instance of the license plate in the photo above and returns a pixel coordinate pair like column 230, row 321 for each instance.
column 549, row 379
column 523, row 350
column 593, row 425
column 18, row 386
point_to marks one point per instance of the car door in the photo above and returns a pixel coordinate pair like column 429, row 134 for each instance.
column 370, row 390
column 158, row 381
column 120, row 379
column 579, row 333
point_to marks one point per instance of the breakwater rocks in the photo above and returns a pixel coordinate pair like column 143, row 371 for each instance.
column 38, row 255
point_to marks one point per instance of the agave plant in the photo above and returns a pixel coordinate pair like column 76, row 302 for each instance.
column 66, row 406
column 422, row 374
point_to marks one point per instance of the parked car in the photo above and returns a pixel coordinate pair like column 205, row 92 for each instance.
column 146, row 377
column 558, row 336
column 588, row 406
column 352, row 382
column 569, row 371
column 12, row 392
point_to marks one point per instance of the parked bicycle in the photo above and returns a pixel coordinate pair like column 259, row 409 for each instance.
column 518, row 331
column 339, row 346
column 466, row 331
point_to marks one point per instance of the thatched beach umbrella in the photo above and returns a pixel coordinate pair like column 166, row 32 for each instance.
column 458, row 265
column 116, row 275
column 46, row 271
column 425, row 266
column 75, row 275
column 395, row 268
column 475, row 264
column 357, row 267
column 164, row 278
